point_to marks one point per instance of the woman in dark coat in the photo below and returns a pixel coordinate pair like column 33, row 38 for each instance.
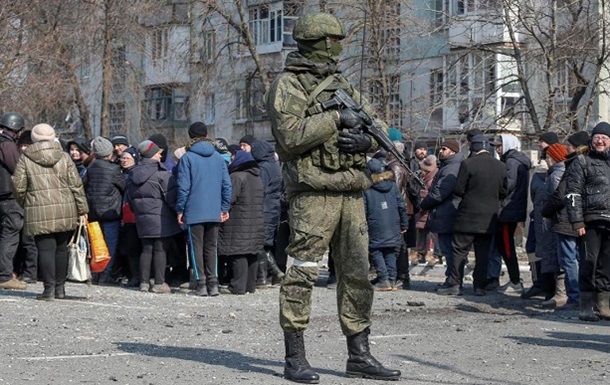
column 152, row 193
column 241, row 237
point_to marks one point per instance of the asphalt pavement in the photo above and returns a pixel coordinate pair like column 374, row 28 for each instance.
column 114, row 335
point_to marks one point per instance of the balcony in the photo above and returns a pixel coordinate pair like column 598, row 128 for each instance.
column 478, row 29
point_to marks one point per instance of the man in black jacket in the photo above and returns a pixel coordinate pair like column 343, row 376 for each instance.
column 481, row 183
column 11, row 214
column 442, row 203
column 588, row 205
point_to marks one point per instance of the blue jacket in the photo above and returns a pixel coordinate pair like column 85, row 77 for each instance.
column 204, row 186
column 386, row 212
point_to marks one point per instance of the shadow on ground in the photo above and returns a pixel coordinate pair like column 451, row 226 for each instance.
column 226, row 358
column 585, row 340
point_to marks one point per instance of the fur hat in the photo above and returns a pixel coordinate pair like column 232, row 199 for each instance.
column 451, row 144
column 581, row 138
column 102, row 147
column 602, row 128
column 549, row 138
column 198, row 130
column 148, row 149
column 478, row 143
column 429, row 163
column 557, row 151
column 42, row 132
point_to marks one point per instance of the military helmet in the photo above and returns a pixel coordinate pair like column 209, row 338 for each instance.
column 317, row 25
column 12, row 121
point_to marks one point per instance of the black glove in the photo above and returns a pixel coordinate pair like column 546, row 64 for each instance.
column 353, row 141
column 350, row 119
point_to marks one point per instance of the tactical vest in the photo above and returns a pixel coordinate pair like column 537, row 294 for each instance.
column 327, row 155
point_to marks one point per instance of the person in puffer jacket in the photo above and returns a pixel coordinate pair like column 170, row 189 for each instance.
column 387, row 220
column 514, row 207
column 104, row 185
column 588, row 205
column 152, row 190
column 47, row 185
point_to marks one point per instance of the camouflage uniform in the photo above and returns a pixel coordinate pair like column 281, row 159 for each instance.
column 324, row 187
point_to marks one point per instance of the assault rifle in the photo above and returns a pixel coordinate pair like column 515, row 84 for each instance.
column 342, row 100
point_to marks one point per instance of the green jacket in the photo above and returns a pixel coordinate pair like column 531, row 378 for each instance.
column 47, row 185
column 307, row 142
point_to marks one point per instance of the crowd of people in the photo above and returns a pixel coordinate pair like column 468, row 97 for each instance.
column 208, row 218
column 205, row 219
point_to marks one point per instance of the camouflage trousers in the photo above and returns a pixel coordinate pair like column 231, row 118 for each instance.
column 317, row 220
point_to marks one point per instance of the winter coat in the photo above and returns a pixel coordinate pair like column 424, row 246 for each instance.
column 104, row 186
column 243, row 233
column 587, row 194
column 47, row 185
column 401, row 176
column 204, row 186
column 9, row 156
column 151, row 191
column 271, row 176
column 481, row 183
column 555, row 207
column 422, row 216
column 546, row 240
column 514, row 206
column 307, row 142
column 385, row 212
column 441, row 201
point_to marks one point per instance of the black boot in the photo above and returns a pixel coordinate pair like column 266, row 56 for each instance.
column 60, row 291
column 362, row 364
column 261, row 276
column 273, row 268
column 297, row 368
column 48, row 294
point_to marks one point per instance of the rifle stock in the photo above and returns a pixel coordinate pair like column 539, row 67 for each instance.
column 342, row 100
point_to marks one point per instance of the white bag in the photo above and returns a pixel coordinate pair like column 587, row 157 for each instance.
column 78, row 255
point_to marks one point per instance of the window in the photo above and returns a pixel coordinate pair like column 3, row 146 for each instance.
column 395, row 118
column 210, row 109
column 436, row 87
column 167, row 103
column 209, row 46
column 265, row 25
column 564, row 81
column 118, row 69
column 461, row 7
column 160, row 43
column 116, row 113
column 292, row 11
column 241, row 107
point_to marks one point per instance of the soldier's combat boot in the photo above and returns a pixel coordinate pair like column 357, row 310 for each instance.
column 297, row 368
column 603, row 304
column 362, row 364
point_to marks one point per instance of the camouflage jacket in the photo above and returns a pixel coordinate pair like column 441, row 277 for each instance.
column 307, row 138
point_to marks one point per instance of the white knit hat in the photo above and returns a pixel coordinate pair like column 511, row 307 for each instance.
column 42, row 132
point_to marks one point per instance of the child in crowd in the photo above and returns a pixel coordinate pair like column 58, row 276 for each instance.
column 386, row 215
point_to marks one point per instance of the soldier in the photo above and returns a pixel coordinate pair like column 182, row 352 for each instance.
column 11, row 214
column 324, row 168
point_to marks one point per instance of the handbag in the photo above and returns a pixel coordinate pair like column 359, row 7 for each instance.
column 78, row 254
column 100, row 257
